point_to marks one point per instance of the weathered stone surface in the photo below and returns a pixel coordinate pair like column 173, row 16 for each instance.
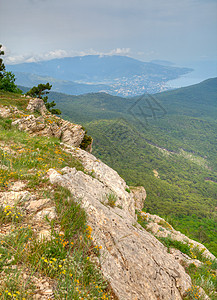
column 37, row 105
column 50, row 213
column 107, row 176
column 18, row 186
column 13, row 198
column 72, row 134
column 136, row 264
column 159, row 227
column 38, row 126
column 5, row 111
column 35, row 205
column 49, row 125
column 139, row 195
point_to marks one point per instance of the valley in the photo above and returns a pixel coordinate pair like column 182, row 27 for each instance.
column 179, row 142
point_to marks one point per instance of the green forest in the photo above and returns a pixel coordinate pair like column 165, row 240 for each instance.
column 165, row 142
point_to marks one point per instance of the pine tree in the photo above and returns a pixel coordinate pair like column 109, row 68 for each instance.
column 39, row 92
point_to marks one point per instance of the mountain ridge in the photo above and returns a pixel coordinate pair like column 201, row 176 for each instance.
column 124, row 75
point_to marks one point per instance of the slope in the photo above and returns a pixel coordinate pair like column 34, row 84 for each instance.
column 179, row 142
column 68, row 222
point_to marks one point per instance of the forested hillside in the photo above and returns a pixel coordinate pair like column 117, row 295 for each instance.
column 165, row 142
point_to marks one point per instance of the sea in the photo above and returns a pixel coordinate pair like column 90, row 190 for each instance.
column 202, row 70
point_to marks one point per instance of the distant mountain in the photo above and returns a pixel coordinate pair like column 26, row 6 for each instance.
column 58, row 85
column 125, row 76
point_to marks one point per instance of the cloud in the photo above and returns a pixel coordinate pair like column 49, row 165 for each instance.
column 15, row 59
column 120, row 51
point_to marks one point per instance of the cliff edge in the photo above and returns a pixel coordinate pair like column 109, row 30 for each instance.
column 129, row 248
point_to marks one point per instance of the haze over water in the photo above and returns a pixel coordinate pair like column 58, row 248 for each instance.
column 202, row 71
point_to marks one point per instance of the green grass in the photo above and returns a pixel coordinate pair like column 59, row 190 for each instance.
column 10, row 214
column 12, row 99
column 111, row 199
column 29, row 157
column 68, row 256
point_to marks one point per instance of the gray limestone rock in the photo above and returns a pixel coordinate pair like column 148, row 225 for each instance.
column 136, row 264
column 107, row 176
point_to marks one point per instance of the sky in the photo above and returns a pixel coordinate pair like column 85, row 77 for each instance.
column 174, row 30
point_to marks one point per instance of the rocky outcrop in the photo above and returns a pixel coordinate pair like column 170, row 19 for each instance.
column 71, row 134
column 4, row 112
column 159, row 227
column 37, row 105
column 136, row 264
column 38, row 126
column 107, row 176
column 139, row 195
column 8, row 111
column 48, row 125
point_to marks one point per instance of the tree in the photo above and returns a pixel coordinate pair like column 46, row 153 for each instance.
column 2, row 66
column 7, row 79
column 39, row 92
column 7, row 83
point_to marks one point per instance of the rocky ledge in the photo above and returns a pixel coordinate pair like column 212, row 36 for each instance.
column 135, row 263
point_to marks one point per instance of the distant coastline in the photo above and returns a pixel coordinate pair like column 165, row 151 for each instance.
column 202, row 71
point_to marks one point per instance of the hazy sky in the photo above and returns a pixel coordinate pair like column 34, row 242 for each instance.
column 175, row 30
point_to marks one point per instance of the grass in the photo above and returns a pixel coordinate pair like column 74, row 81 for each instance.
column 12, row 99
column 111, row 199
column 204, row 276
column 69, row 256
column 29, row 158
column 10, row 214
